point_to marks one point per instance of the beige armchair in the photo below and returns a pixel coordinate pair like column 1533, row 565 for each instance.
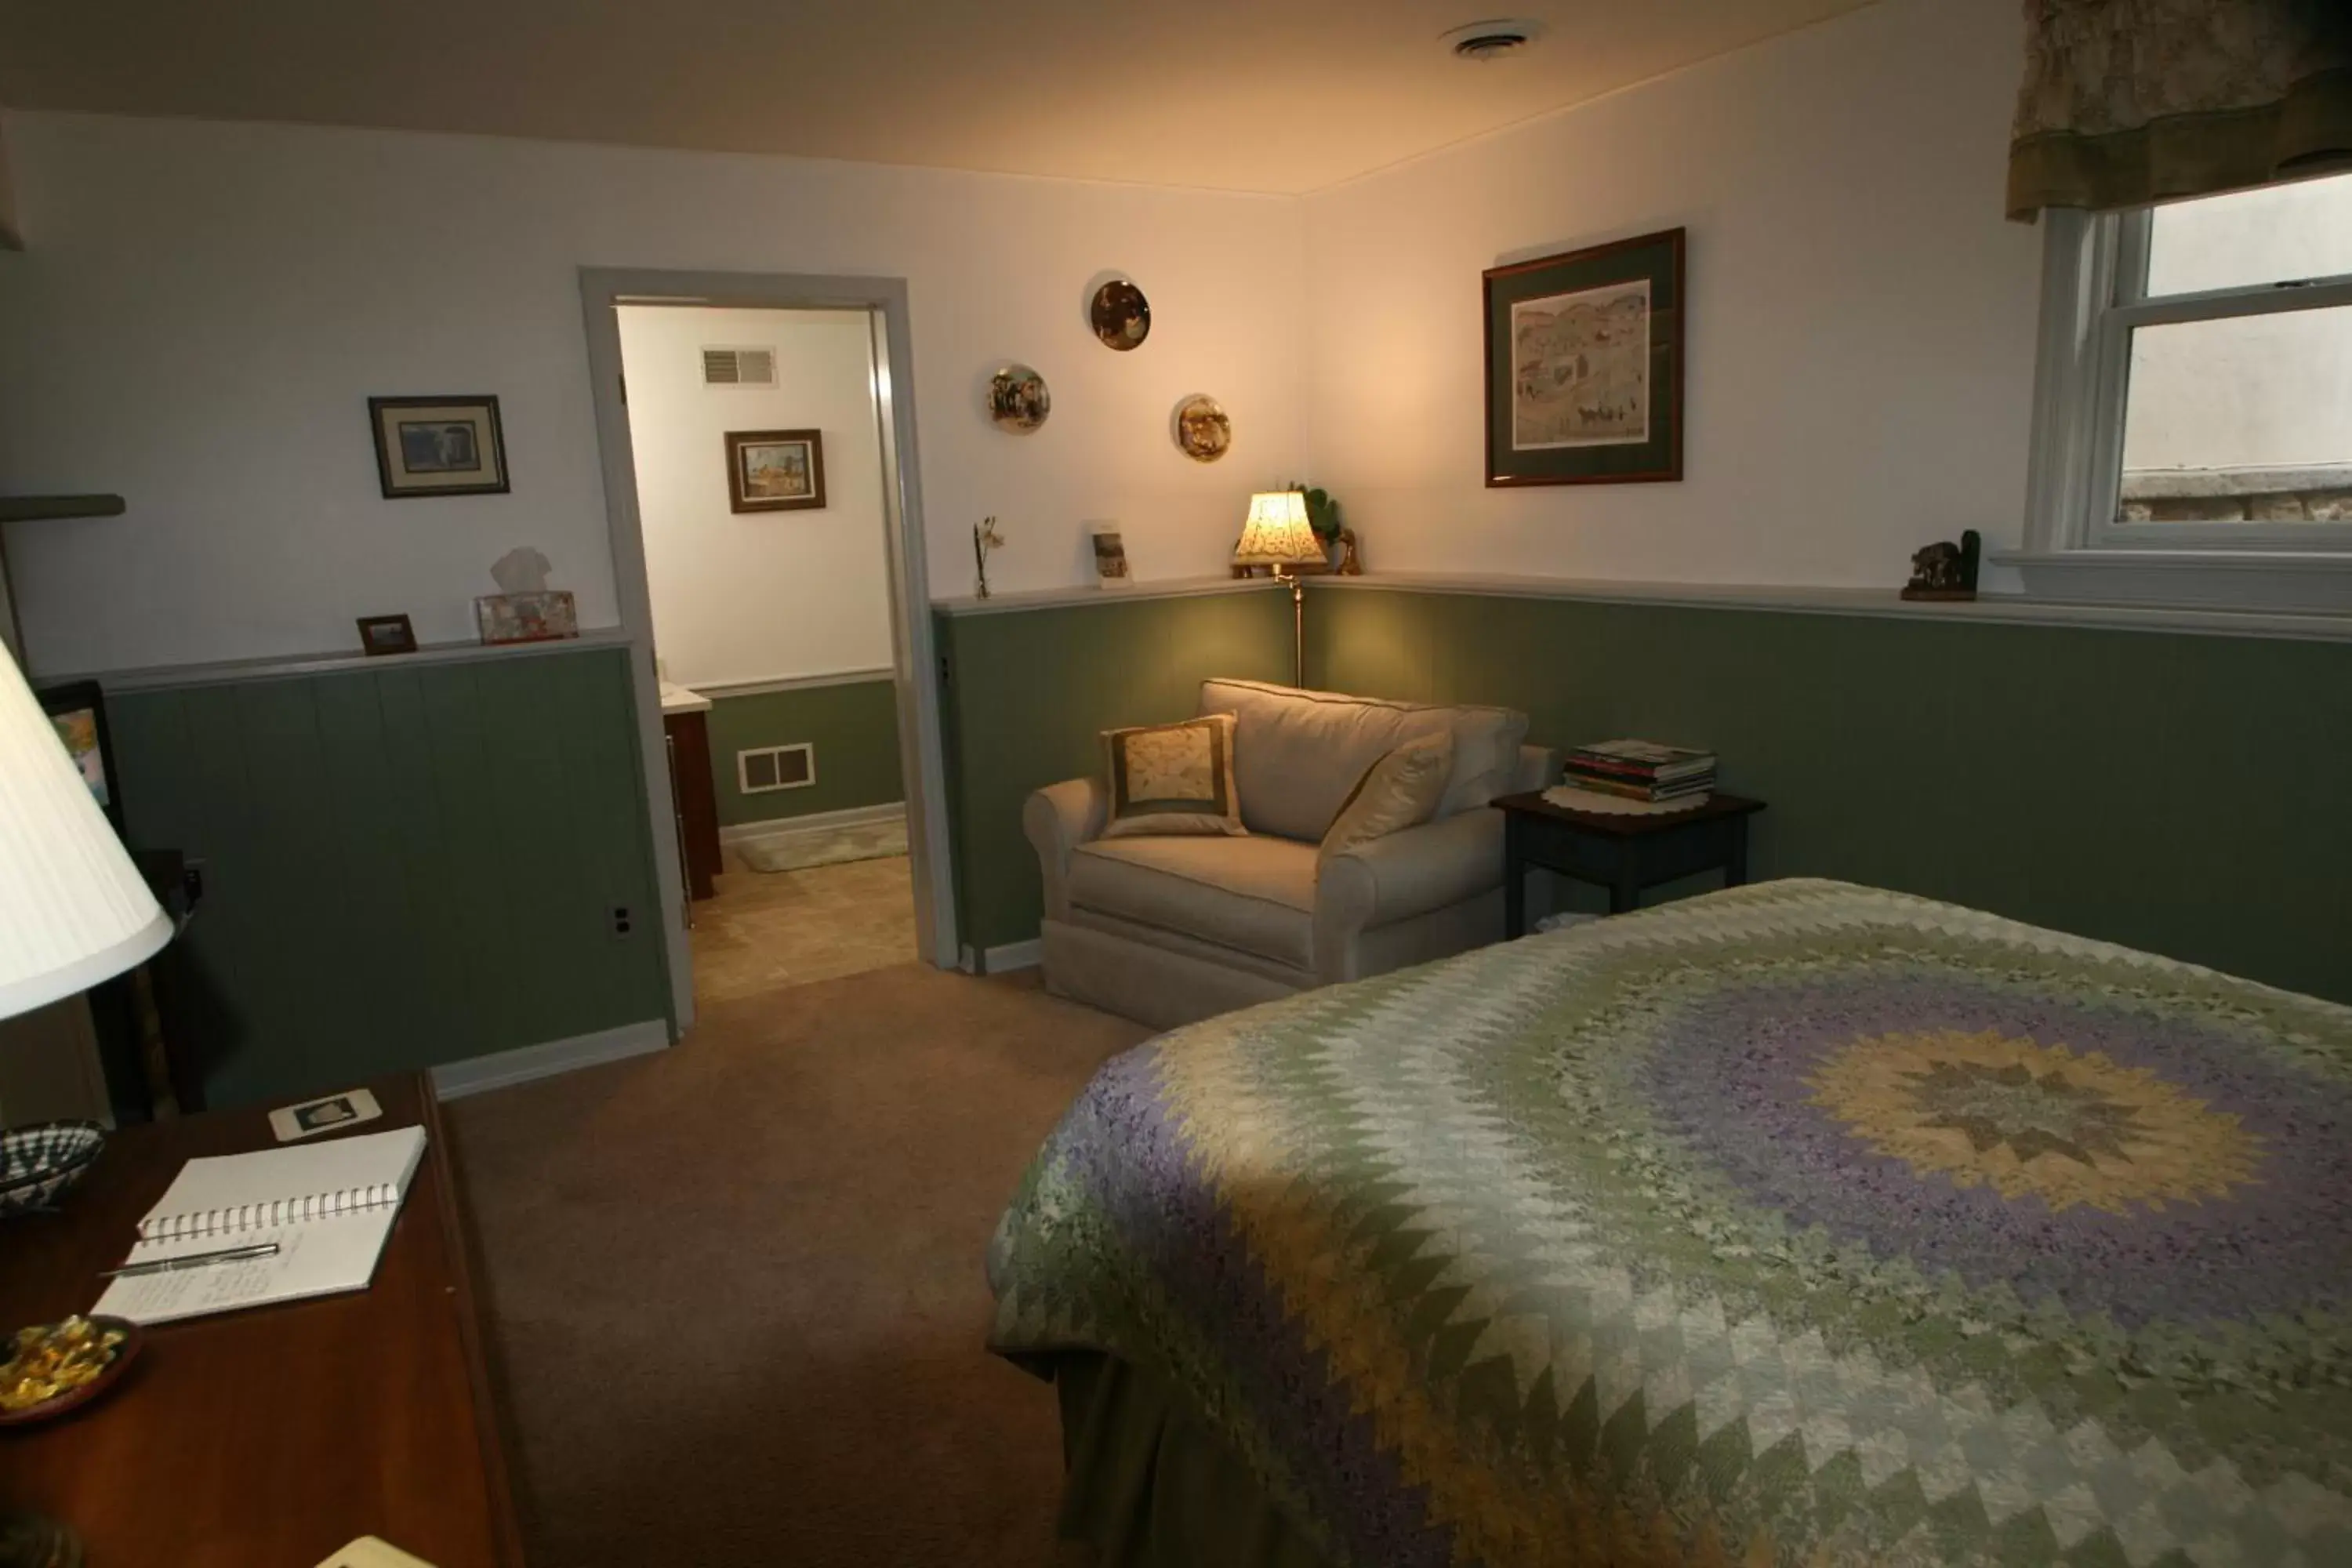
column 1170, row 930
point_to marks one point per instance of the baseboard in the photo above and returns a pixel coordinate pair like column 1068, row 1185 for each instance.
column 500, row 1069
column 1012, row 955
column 849, row 817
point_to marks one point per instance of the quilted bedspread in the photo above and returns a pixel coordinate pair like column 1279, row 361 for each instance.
column 1796, row 1224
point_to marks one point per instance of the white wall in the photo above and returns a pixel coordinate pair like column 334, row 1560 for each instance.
column 745, row 596
column 1860, row 321
column 205, row 308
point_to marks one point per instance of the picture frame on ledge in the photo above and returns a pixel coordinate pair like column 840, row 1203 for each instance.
column 381, row 635
column 426, row 447
column 1584, row 365
column 1110, row 560
column 549, row 615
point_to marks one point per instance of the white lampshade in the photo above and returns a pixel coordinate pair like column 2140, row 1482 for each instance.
column 1277, row 532
column 73, row 909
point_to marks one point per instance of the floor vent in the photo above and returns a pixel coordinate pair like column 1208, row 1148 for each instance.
column 776, row 767
column 738, row 367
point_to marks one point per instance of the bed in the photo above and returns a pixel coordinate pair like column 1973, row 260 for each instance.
column 1800, row 1223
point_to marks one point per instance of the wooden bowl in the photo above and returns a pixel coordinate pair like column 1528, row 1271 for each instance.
column 75, row 1398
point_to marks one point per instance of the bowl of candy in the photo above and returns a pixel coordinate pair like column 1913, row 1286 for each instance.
column 39, row 1163
column 55, row 1367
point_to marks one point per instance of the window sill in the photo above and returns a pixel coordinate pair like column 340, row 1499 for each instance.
column 2314, row 582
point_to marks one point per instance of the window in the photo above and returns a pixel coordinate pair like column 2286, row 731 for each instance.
column 2194, row 413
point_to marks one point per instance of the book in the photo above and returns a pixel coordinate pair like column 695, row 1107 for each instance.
column 1632, row 790
column 328, row 1207
column 1638, row 769
column 1648, row 757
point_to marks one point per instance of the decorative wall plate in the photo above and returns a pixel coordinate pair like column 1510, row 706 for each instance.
column 1017, row 399
column 1120, row 315
column 1202, row 432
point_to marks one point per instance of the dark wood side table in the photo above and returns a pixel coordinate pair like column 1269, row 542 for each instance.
column 1623, row 852
column 275, row 1435
column 696, row 791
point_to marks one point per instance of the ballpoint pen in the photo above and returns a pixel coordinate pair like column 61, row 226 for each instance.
column 192, row 1261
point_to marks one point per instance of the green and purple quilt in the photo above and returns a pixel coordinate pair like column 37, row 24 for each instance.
column 1799, row 1223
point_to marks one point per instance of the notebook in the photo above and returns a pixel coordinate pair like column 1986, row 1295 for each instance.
column 328, row 1206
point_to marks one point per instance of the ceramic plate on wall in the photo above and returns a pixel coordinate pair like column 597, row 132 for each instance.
column 1120, row 315
column 1203, row 431
column 1017, row 399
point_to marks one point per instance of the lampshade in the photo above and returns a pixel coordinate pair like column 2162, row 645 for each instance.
column 73, row 909
column 1277, row 532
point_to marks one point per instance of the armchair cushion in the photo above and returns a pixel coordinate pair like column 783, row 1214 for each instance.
column 1254, row 894
column 1401, row 791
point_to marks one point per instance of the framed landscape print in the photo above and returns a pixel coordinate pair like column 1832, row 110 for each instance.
column 438, row 447
column 1584, row 365
column 775, row 470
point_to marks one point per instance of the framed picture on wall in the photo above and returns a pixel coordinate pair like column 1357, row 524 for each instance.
column 438, row 447
column 1584, row 365
column 775, row 470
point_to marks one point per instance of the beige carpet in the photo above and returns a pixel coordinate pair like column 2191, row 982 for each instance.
column 766, row 930
column 737, row 1286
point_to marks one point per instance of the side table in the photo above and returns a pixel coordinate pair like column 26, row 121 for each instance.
column 1624, row 852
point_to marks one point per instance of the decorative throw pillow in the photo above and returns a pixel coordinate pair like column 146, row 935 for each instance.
column 1400, row 791
column 1173, row 778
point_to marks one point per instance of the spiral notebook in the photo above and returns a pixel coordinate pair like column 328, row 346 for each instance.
column 328, row 1206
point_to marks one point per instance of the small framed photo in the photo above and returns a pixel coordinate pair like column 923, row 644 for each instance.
column 775, row 470
column 1110, row 560
column 386, row 634
column 550, row 616
column 1584, row 365
column 438, row 447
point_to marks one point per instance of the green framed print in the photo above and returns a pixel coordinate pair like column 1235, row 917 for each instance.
column 1584, row 365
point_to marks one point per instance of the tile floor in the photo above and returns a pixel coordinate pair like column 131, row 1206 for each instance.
column 767, row 928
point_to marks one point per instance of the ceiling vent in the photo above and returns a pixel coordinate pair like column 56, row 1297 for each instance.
column 738, row 367
column 1492, row 40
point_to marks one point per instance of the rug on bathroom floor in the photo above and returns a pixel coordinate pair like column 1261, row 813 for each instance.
column 797, row 850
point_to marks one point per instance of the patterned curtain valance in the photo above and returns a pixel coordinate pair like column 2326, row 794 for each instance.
column 2132, row 101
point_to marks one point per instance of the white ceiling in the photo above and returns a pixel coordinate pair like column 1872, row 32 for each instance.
column 1257, row 95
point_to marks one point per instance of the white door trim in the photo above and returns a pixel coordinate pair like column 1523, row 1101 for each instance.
column 919, row 736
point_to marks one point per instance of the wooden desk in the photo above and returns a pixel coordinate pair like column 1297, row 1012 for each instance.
column 1623, row 853
column 270, row 1437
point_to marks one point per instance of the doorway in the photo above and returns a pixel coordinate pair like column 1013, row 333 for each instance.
column 759, row 480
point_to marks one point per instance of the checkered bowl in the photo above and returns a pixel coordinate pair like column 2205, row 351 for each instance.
column 39, row 1163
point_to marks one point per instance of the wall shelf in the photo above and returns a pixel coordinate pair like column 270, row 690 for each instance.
column 25, row 509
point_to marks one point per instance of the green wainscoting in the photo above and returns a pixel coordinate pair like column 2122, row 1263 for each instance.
column 402, row 867
column 1028, row 693
column 2184, row 795
column 853, row 726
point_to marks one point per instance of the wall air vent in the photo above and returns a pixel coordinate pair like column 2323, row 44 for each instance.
column 1492, row 40
column 776, row 767
column 738, row 367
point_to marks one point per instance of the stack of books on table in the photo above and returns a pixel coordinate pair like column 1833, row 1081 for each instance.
column 1641, row 769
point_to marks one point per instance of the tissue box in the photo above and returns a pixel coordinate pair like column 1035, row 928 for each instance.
column 546, row 616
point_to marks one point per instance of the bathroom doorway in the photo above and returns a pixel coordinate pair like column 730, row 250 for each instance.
column 765, row 476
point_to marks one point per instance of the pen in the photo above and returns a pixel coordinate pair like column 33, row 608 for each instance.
column 192, row 1261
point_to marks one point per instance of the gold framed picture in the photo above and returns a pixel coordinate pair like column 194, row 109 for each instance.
column 775, row 470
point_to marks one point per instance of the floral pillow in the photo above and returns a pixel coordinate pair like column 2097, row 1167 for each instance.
column 1173, row 778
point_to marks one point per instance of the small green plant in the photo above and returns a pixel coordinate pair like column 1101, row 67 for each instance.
column 1322, row 511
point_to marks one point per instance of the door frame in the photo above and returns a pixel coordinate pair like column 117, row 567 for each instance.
column 921, row 748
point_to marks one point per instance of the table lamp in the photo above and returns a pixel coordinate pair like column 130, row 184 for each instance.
column 74, row 911
column 1277, row 534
